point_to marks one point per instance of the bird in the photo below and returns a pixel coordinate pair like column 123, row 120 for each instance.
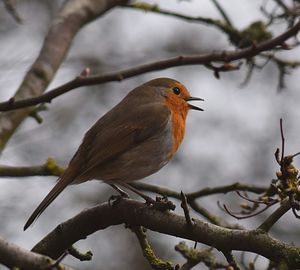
column 133, row 140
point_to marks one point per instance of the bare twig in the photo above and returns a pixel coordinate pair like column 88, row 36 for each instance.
column 287, row 184
column 282, row 140
column 249, row 215
column 56, row 264
column 222, row 12
column 214, row 219
column 222, row 25
column 230, row 259
column 148, row 252
column 186, row 211
column 10, row 6
column 225, row 56
column 49, row 168
column 80, row 256
column 196, row 256
column 275, row 216
column 227, row 188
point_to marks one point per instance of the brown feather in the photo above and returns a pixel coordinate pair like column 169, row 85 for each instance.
column 116, row 132
column 63, row 181
column 133, row 140
column 106, row 141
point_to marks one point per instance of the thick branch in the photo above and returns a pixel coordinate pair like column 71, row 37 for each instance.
column 73, row 15
column 137, row 213
column 225, row 56
column 12, row 256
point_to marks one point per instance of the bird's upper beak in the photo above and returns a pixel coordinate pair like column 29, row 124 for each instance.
column 192, row 107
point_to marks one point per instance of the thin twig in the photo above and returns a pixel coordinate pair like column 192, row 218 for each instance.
column 186, row 211
column 282, row 140
column 250, row 215
column 49, row 168
column 148, row 252
column 10, row 6
column 225, row 189
column 230, row 259
column 225, row 56
column 80, row 256
column 275, row 216
column 222, row 12
column 196, row 256
column 205, row 20
column 56, row 264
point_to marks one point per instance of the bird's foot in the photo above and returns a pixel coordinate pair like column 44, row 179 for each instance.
column 148, row 200
column 116, row 199
column 120, row 191
column 163, row 204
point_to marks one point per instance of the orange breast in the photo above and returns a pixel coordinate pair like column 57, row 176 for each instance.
column 179, row 112
column 178, row 128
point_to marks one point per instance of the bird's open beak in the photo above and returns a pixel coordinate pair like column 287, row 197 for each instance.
column 192, row 107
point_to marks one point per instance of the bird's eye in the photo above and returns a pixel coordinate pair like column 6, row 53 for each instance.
column 176, row 91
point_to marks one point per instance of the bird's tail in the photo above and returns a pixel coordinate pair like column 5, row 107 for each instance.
column 66, row 179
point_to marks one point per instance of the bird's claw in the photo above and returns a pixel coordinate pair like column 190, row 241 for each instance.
column 115, row 199
column 163, row 204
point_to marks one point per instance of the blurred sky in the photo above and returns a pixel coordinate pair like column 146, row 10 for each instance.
column 234, row 139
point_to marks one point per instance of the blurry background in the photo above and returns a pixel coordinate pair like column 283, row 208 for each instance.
column 234, row 139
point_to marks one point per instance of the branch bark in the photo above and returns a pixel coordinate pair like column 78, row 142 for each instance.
column 136, row 213
column 12, row 256
column 206, row 59
column 73, row 15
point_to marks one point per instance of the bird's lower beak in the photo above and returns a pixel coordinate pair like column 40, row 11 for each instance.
column 192, row 107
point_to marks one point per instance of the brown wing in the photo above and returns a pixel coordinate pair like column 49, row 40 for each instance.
column 116, row 132
column 107, row 140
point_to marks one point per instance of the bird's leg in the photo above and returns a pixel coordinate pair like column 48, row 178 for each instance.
column 121, row 191
column 115, row 199
column 148, row 199
column 161, row 204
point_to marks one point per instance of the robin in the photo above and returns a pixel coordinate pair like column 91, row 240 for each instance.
column 133, row 140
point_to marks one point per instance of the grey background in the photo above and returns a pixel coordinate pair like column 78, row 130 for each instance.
column 233, row 140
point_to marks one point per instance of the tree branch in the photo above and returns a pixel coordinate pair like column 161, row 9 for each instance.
column 206, row 59
column 275, row 216
column 202, row 192
column 222, row 12
column 12, row 256
column 10, row 7
column 148, row 252
column 137, row 213
column 222, row 25
column 50, row 168
column 195, row 256
column 73, row 15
